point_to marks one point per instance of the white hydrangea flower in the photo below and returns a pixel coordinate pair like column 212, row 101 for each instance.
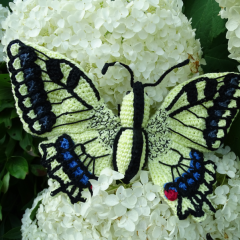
column 230, row 11
column 3, row 15
column 140, row 216
column 221, row 192
column 227, row 165
column 148, row 35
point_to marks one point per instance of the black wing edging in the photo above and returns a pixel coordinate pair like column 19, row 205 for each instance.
column 35, row 84
column 187, row 184
column 71, row 164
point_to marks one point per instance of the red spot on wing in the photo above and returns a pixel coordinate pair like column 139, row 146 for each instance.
column 171, row 194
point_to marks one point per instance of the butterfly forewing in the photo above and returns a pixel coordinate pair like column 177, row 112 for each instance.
column 53, row 94
column 202, row 110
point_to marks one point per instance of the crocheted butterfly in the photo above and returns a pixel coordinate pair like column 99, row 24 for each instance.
column 55, row 98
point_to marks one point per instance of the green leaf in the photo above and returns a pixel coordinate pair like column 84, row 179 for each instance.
column 221, row 179
column 233, row 137
column 2, row 130
column 10, row 147
column 3, row 66
column 2, row 227
column 6, row 104
column 14, row 113
column 5, row 3
column 1, row 184
column 2, row 172
column 5, row 87
column 6, row 179
column 28, row 205
column 26, row 142
column 2, row 140
column 211, row 31
column 14, row 233
column 17, row 166
column 38, row 170
column 0, row 213
column 216, row 56
column 34, row 211
column 15, row 131
column 6, row 118
column 205, row 19
column 14, row 220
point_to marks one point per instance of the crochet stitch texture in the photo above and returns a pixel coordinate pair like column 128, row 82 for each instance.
column 55, row 98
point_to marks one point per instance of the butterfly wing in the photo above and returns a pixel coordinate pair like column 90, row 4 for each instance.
column 73, row 159
column 194, row 118
column 55, row 98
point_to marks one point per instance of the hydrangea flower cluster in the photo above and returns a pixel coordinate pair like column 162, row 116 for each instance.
column 231, row 11
column 148, row 35
column 3, row 15
column 135, row 211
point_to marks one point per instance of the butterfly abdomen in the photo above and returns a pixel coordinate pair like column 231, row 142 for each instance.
column 129, row 152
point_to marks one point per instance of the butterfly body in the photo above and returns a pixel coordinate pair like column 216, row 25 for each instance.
column 55, row 98
column 130, row 147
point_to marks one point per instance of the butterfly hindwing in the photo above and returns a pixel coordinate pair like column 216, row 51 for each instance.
column 194, row 118
column 186, row 179
column 73, row 159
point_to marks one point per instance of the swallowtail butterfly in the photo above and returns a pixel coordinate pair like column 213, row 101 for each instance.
column 55, row 98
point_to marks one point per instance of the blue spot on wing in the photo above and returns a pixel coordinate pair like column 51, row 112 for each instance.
column 196, row 175
column 72, row 164
column 213, row 123
column 31, row 85
column 35, row 98
column 198, row 165
column 67, row 156
column 224, row 104
column 190, row 181
column 84, row 179
column 78, row 172
column 234, row 81
column 64, row 143
column 44, row 121
column 218, row 113
column 39, row 110
column 173, row 188
column 192, row 164
column 229, row 92
column 196, row 155
column 175, row 180
column 183, row 185
column 184, row 174
column 29, row 72
column 213, row 134
column 24, row 57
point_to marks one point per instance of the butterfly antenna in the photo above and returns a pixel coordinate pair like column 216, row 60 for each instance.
column 164, row 75
column 107, row 65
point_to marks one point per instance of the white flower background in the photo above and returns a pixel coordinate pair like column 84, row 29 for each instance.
column 3, row 15
column 150, row 36
column 231, row 11
column 135, row 211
